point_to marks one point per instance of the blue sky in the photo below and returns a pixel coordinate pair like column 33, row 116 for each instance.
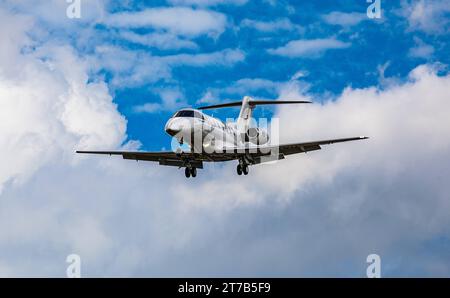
column 371, row 44
column 111, row 79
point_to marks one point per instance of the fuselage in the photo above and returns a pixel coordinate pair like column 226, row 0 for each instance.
column 201, row 132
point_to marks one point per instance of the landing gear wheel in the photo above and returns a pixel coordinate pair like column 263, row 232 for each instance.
column 194, row 172
column 245, row 170
column 187, row 172
column 239, row 170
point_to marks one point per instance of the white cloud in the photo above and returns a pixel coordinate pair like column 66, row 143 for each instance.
column 134, row 68
column 227, row 57
column 82, row 112
column 421, row 50
column 375, row 190
column 254, row 84
column 353, row 198
column 205, row 3
column 382, row 115
column 130, row 68
column 272, row 26
column 428, row 16
column 176, row 20
column 13, row 39
column 172, row 99
column 240, row 88
column 387, row 194
column 208, row 97
column 150, row 107
column 53, row 12
column 163, row 41
column 304, row 216
column 308, row 48
column 249, row 86
column 344, row 18
column 49, row 108
column 300, row 74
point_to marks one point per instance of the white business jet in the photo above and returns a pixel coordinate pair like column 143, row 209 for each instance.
column 211, row 140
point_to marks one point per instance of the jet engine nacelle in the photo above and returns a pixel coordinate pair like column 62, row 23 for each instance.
column 257, row 136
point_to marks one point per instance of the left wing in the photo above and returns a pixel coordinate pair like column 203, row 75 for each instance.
column 260, row 154
column 288, row 149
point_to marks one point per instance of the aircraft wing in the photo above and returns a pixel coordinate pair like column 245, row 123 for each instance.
column 254, row 154
column 260, row 154
column 294, row 148
column 167, row 158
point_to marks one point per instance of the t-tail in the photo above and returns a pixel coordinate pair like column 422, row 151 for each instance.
column 247, row 105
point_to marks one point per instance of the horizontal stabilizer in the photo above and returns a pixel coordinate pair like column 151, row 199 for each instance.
column 224, row 105
column 253, row 103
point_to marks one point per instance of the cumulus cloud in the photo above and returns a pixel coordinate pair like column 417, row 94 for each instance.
column 428, row 16
column 134, row 68
column 374, row 113
column 355, row 198
column 163, row 41
column 226, row 57
column 49, row 81
column 177, row 20
column 205, row 3
column 53, row 12
column 421, row 50
column 247, row 86
column 308, row 48
column 306, row 215
column 316, row 214
column 344, row 18
column 271, row 26
column 171, row 99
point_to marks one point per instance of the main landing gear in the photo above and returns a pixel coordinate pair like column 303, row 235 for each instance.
column 242, row 169
column 188, row 172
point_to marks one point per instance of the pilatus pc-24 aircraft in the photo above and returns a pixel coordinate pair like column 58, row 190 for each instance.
column 210, row 140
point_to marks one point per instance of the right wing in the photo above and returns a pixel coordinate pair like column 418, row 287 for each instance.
column 170, row 158
column 166, row 158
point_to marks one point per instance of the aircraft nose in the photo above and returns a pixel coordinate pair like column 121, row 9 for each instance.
column 174, row 126
column 172, row 132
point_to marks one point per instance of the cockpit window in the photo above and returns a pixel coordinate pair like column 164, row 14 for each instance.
column 183, row 113
column 188, row 113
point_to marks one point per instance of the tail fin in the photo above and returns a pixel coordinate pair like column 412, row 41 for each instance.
column 247, row 105
column 245, row 115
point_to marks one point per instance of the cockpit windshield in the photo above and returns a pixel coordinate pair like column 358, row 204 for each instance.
column 188, row 113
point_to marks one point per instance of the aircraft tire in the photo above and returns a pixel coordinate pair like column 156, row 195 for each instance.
column 194, row 172
column 187, row 172
column 245, row 170
column 239, row 170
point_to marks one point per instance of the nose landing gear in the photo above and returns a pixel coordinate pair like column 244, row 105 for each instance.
column 188, row 172
column 242, row 169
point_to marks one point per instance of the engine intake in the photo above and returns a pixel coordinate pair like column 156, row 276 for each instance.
column 257, row 136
